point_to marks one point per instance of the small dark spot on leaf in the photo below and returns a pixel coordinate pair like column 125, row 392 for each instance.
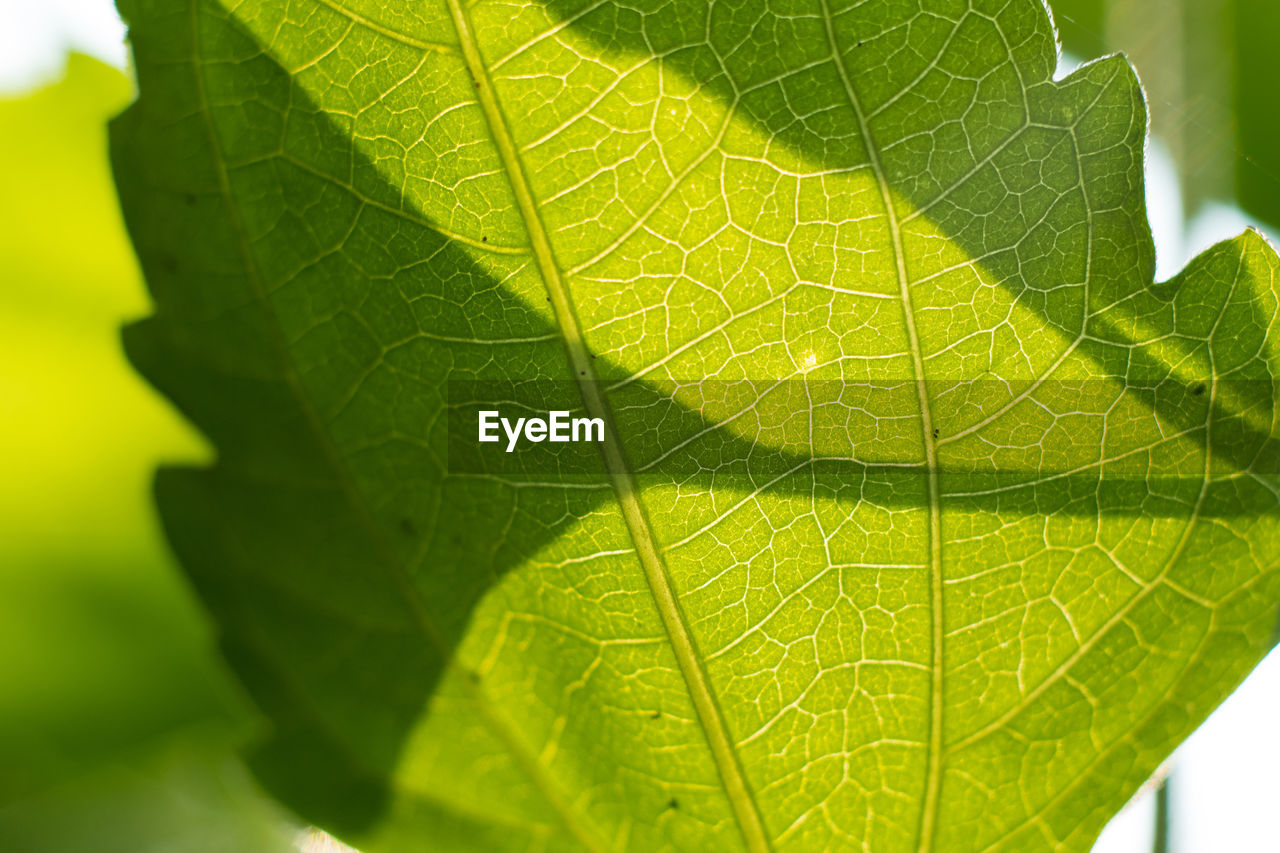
column 582, row 372
column 655, row 715
column 859, row 44
column 935, row 433
column 593, row 355
column 484, row 239
column 1198, row 389
column 673, row 803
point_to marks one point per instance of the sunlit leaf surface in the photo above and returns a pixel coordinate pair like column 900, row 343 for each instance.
column 994, row 528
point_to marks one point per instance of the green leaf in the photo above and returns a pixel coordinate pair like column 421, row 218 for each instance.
column 1256, row 106
column 966, row 598
column 118, row 725
column 1206, row 66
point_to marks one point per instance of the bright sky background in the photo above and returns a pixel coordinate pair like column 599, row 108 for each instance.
column 1226, row 777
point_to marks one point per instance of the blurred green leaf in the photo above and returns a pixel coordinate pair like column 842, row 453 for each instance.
column 1081, row 25
column 1209, row 69
column 104, row 657
column 1257, row 107
column 186, row 794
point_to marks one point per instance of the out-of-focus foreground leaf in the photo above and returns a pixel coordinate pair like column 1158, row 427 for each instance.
column 116, row 725
column 1209, row 67
column 967, row 600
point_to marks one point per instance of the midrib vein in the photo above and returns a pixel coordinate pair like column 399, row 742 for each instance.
column 501, row 728
column 732, row 776
column 933, row 772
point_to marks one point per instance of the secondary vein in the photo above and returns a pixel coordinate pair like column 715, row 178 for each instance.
column 395, row 35
column 933, row 777
column 688, row 659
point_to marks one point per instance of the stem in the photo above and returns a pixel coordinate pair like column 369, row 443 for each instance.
column 1161, row 842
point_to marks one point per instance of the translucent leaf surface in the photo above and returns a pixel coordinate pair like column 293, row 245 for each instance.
column 966, row 598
